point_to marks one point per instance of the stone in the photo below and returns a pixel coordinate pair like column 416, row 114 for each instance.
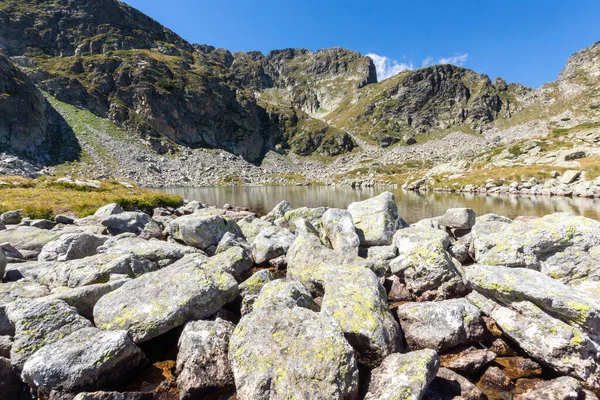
column 153, row 250
column 278, row 352
column 519, row 367
column 3, row 264
column 64, row 219
column 13, row 217
column 202, row 361
column 279, row 211
column 441, row 325
column 312, row 215
column 86, row 359
column 108, row 210
column 228, row 241
column 376, row 219
column 6, row 343
column 250, row 289
column 190, row 208
column 507, row 285
column 494, row 380
column 13, row 291
column 570, row 176
column 38, row 323
column 339, row 230
column 285, row 294
column 424, row 264
column 563, row 388
column 271, row 243
column 236, row 261
column 2, row 226
column 403, row 376
column 10, row 383
column 459, row 218
column 468, row 362
column 555, row 344
column 72, row 246
column 135, row 222
column 251, row 226
column 162, row 300
column 448, row 385
column 42, row 224
column 27, row 238
column 202, row 232
column 100, row 396
column 354, row 297
column 379, row 256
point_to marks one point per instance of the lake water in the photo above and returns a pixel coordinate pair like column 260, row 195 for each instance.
column 412, row 206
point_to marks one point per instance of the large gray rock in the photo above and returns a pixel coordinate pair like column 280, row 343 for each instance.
column 559, row 245
column 506, row 285
column 553, row 343
column 376, row 220
column 10, row 383
column 285, row 294
column 278, row 211
column 108, row 210
column 72, row 246
column 160, row 301
column 13, row 217
column 39, row 322
column 563, row 388
column 458, row 218
column 339, row 230
column 202, row 232
column 95, row 269
column 441, row 325
column 251, row 287
column 271, row 243
column 313, row 215
column 158, row 251
column 12, row 291
column 135, row 222
column 202, row 362
column 85, row 360
column 424, row 264
column 236, row 261
column 251, row 226
column 353, row 296
column 27, row 238
column 279, row 353
column 403, row 376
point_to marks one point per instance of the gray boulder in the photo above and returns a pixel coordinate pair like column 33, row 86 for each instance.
column 271, row 243
column 108, row 210
column 42, row 224
column 38, row 323
column 84, row 360
column 278, row 352
column 153, row 250
column 278, row 211
column 403, row 376
column 458, row 218
column 202, row 231
column 202, row 362
column 135, row 222
column 251, row 226
column 376, row 219
column 339, row 230
column 13, row 217
column 312, row 215
column 563, row 388
column 12, row 291
column 553, row 343
column 236, row 261
column 6, row 343
column 354, row 297
column 250, row 289
column 285, row 294
column 28, row 239
column 10, row 383
column 160, row 301
column 72, row 246
column 441, row 325
column 2, row 226
column 229, row 240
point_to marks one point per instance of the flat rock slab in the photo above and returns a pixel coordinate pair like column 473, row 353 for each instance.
column 28, row 238
column 153, row 250
column 85, row 360
column 12, row 291
column 159, row 301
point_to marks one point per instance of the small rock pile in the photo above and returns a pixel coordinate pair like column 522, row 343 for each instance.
column 308, row 303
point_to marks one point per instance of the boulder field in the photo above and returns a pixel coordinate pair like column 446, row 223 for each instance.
column 205, row 302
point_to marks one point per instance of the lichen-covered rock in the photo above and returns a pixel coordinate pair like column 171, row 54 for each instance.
column 271, row 243
column 278, row 211
column 458, row 218
column 339, row 230
column 353, row 296
column 563, row 388
column 285, row 294
column 94, row 269
column 376, row 219
column 85, row 360
column 39, row 322
column 135, row 222
column 236, row 261
column 379, row 256
column 506, row 285
column 561, row 347
column 229, row 240
column 108, row 210
column 28, row 238
column 440, row 325
column 251, row 287
column 202, row 362
column 13, row 217
column 469, row 361
column 12, row 291
column 279, row 353
column 424, row 264
column 312, row 215
column 159, row 301
column 72, row 246
column 448, row 385
column 558, row 245
column 403, row 376
column 157, row 251
column 251, row 226
column 10, row 383
column 202, row 231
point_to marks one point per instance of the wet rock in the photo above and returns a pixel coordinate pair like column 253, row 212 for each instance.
column 424, row 264
column 354, row 297
column 563, row 388
column 202, row 362
column 440, row 325
column 12, row 291
column 135, row 222
column 87, row 359
column 494, row 380
column 564, row 348
column 271, row 243
column 250, row 289
column 339, row 230
column 518, row 367
column 202, row 231
column 502, row 349
column 10, row 383
column 72, row 246
column 159, row 301
column 375, row 219
column 403, row 376
column 459, row 218
column 448, row 385
column 285, row 294
column 277, row 352
column 507, row 285
column 469, row 361
column 40, row 322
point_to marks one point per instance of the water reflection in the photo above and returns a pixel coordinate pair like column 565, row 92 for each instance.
column 412, row 206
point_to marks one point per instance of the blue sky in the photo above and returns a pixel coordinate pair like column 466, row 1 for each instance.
column 525, row 41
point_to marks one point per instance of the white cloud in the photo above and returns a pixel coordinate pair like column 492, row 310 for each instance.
column 387, row 68
column 457, row 59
